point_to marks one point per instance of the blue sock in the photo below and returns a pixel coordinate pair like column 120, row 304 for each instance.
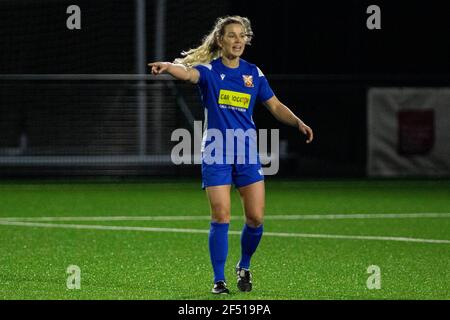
column 250, row 238
column 218, row 248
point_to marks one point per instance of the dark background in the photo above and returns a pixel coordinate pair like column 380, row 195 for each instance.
column 319, row 57
column 291, row 37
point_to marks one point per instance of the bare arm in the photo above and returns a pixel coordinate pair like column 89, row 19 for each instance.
column 178, row 71
column 285, row 115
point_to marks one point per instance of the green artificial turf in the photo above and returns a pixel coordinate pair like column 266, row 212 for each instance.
column 143, row 264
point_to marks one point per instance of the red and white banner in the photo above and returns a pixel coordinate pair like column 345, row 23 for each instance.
column 408, row 132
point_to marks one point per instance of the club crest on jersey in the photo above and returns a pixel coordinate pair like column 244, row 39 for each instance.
column 248, row 81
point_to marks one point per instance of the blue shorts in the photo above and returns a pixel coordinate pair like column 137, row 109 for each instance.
column 240, row 175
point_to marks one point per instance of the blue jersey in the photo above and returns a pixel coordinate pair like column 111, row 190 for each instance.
column 228, row 97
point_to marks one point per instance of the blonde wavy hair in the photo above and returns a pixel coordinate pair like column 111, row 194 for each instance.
column 210, row 49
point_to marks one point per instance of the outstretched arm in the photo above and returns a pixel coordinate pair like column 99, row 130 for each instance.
column 178, row 71
column 285, row 115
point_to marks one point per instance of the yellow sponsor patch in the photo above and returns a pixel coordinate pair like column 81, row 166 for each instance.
column 235, row 99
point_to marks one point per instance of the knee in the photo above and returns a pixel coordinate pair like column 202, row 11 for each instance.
column 254, row 216
column 254, row 221
column 220, row 214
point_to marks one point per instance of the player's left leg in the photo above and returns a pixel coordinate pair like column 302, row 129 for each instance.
column 253, row 200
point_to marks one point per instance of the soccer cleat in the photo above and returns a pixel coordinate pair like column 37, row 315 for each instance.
column 244, row 279
column 220, row 287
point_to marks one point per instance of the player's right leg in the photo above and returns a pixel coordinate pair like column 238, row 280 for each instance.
column 219, row 201
column 217, row 182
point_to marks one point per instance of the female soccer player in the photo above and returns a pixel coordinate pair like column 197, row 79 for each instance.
column 229, row 88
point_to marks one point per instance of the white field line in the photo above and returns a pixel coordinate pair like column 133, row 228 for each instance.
column 268, row 217
column 204, row 231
